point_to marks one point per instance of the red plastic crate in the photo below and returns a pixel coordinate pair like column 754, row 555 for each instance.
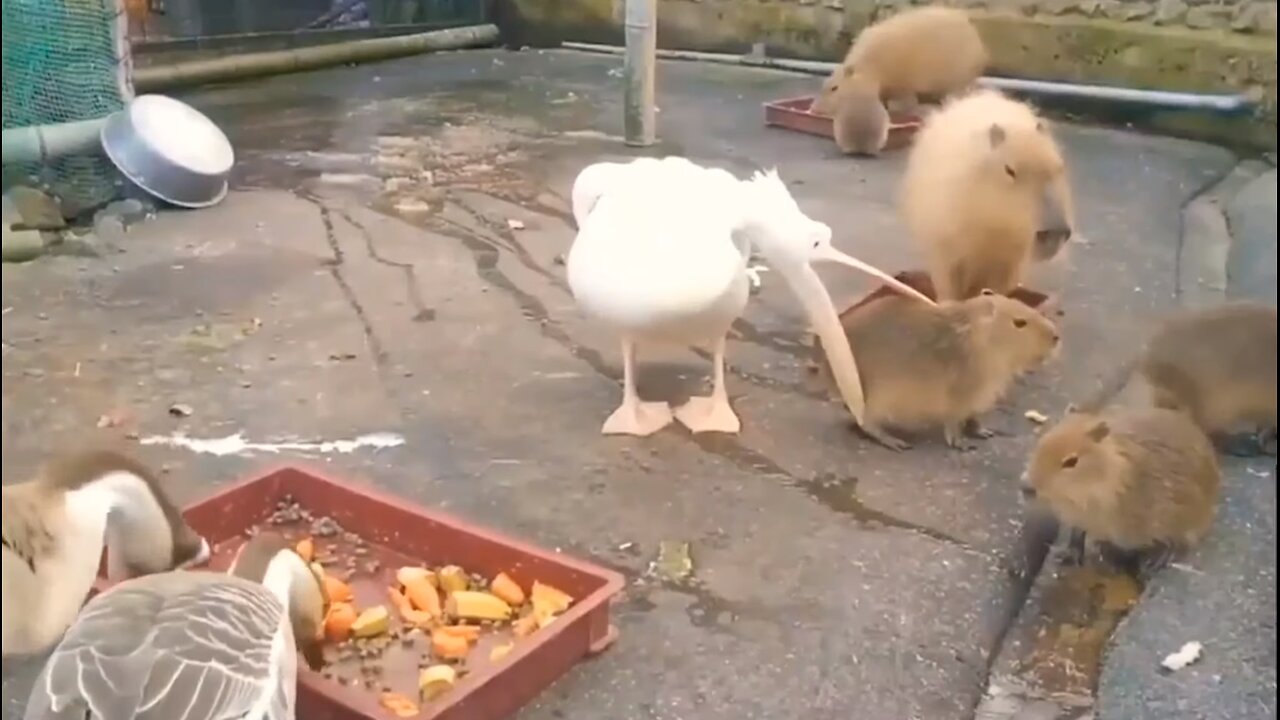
column 794, row 115
column 398, row 533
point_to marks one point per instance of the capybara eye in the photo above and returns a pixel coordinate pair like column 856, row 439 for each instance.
column 1010, row 172
column 1019, row 323
column 1070, row 461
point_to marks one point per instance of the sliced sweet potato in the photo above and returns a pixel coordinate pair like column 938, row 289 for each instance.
column 470, row 633
column 500, row 651
column 452, row 579
column 475, row 605
column 448, row 646
column 338, row 622
column 339, row 592
column 524, row 626
column 373, row 621
column 306, row 548
column 405, row 608
column 507, row 589
column 399, row 705
column 423, row 596
column 436, row 680
column 549, row 601
column 408, row 575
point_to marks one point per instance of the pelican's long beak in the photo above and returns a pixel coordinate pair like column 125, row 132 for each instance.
column 809, row 289
column 830, row 254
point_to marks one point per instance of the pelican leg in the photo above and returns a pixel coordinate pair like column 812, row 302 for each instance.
column 711, row 413
column 634, row 417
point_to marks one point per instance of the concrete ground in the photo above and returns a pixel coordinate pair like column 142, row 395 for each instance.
column 364, row 276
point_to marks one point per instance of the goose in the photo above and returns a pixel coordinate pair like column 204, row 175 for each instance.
column 662, row 255
column 55, row 527
column 191, row 645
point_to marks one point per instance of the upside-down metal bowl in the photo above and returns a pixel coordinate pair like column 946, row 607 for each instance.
column 171, row 150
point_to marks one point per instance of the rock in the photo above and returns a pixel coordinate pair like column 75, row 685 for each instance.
column 1169, row 12
column 1207, row 17
column 21, row 245
column 395, row 184
column 129, row 211
column 1255, row 17
column 109, row 227
column 1123, row 10
column 1057, row 7
column 37, row 210
column 349, row 179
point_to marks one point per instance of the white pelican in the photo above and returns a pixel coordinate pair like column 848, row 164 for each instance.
column 661, row 254
column 190, row 645
column 55, row 527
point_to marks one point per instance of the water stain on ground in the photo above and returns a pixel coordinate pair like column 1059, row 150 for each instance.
column 1079, row 611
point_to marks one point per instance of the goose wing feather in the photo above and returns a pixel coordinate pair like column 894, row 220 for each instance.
column 174, row 646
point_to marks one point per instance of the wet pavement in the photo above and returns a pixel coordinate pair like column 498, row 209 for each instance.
column 390, row 261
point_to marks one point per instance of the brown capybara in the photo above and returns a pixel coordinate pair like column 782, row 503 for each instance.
column 985, row 192
column 926, row 52
column 1140, row 480
column 929, row 365
column 1218, row 364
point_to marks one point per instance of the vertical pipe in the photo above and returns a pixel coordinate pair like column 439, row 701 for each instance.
column 639, row 116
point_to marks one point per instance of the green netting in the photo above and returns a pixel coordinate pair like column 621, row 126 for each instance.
column 65, row 60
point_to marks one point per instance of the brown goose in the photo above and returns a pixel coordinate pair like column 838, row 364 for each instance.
column 56, row 526
column 190, row 645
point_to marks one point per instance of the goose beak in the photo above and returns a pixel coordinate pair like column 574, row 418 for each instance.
column 200, row 558
column 313, row 653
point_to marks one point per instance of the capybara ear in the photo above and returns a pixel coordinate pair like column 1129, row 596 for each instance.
column 996, row 134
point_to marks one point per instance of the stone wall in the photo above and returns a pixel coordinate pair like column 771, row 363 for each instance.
column 1179, row 45
column 1244, row 16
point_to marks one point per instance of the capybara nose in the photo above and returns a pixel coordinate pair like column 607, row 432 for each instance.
column 1025, row 487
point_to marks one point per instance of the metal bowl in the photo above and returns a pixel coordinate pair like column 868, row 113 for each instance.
column 171, row 150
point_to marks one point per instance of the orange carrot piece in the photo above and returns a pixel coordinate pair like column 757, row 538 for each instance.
column 339, row 592
column 448, row 646
column 507, row 589
column 423, row 597
column 399, row 705
column 307, row 549
column 338, row 622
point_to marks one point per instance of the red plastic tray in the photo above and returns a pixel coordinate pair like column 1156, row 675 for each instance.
column 794, row 115
column 398, row 533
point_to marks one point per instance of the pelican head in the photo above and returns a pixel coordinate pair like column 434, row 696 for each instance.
column 793, row 242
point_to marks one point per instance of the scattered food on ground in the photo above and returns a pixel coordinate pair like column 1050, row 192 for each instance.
column 1186, row 655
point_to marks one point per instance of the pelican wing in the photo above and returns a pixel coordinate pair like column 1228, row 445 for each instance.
column 174, row 646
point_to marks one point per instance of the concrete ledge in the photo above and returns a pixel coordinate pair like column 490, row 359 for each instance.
column 1051, row 48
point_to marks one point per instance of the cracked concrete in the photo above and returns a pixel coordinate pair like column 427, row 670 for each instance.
column 364, row 277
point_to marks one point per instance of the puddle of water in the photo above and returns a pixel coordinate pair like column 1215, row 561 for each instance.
column 1078, row 612
column 1062, row 646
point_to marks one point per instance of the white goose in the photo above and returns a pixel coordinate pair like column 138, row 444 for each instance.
column 190, row 645
column 661, row 254
column 55, row 527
